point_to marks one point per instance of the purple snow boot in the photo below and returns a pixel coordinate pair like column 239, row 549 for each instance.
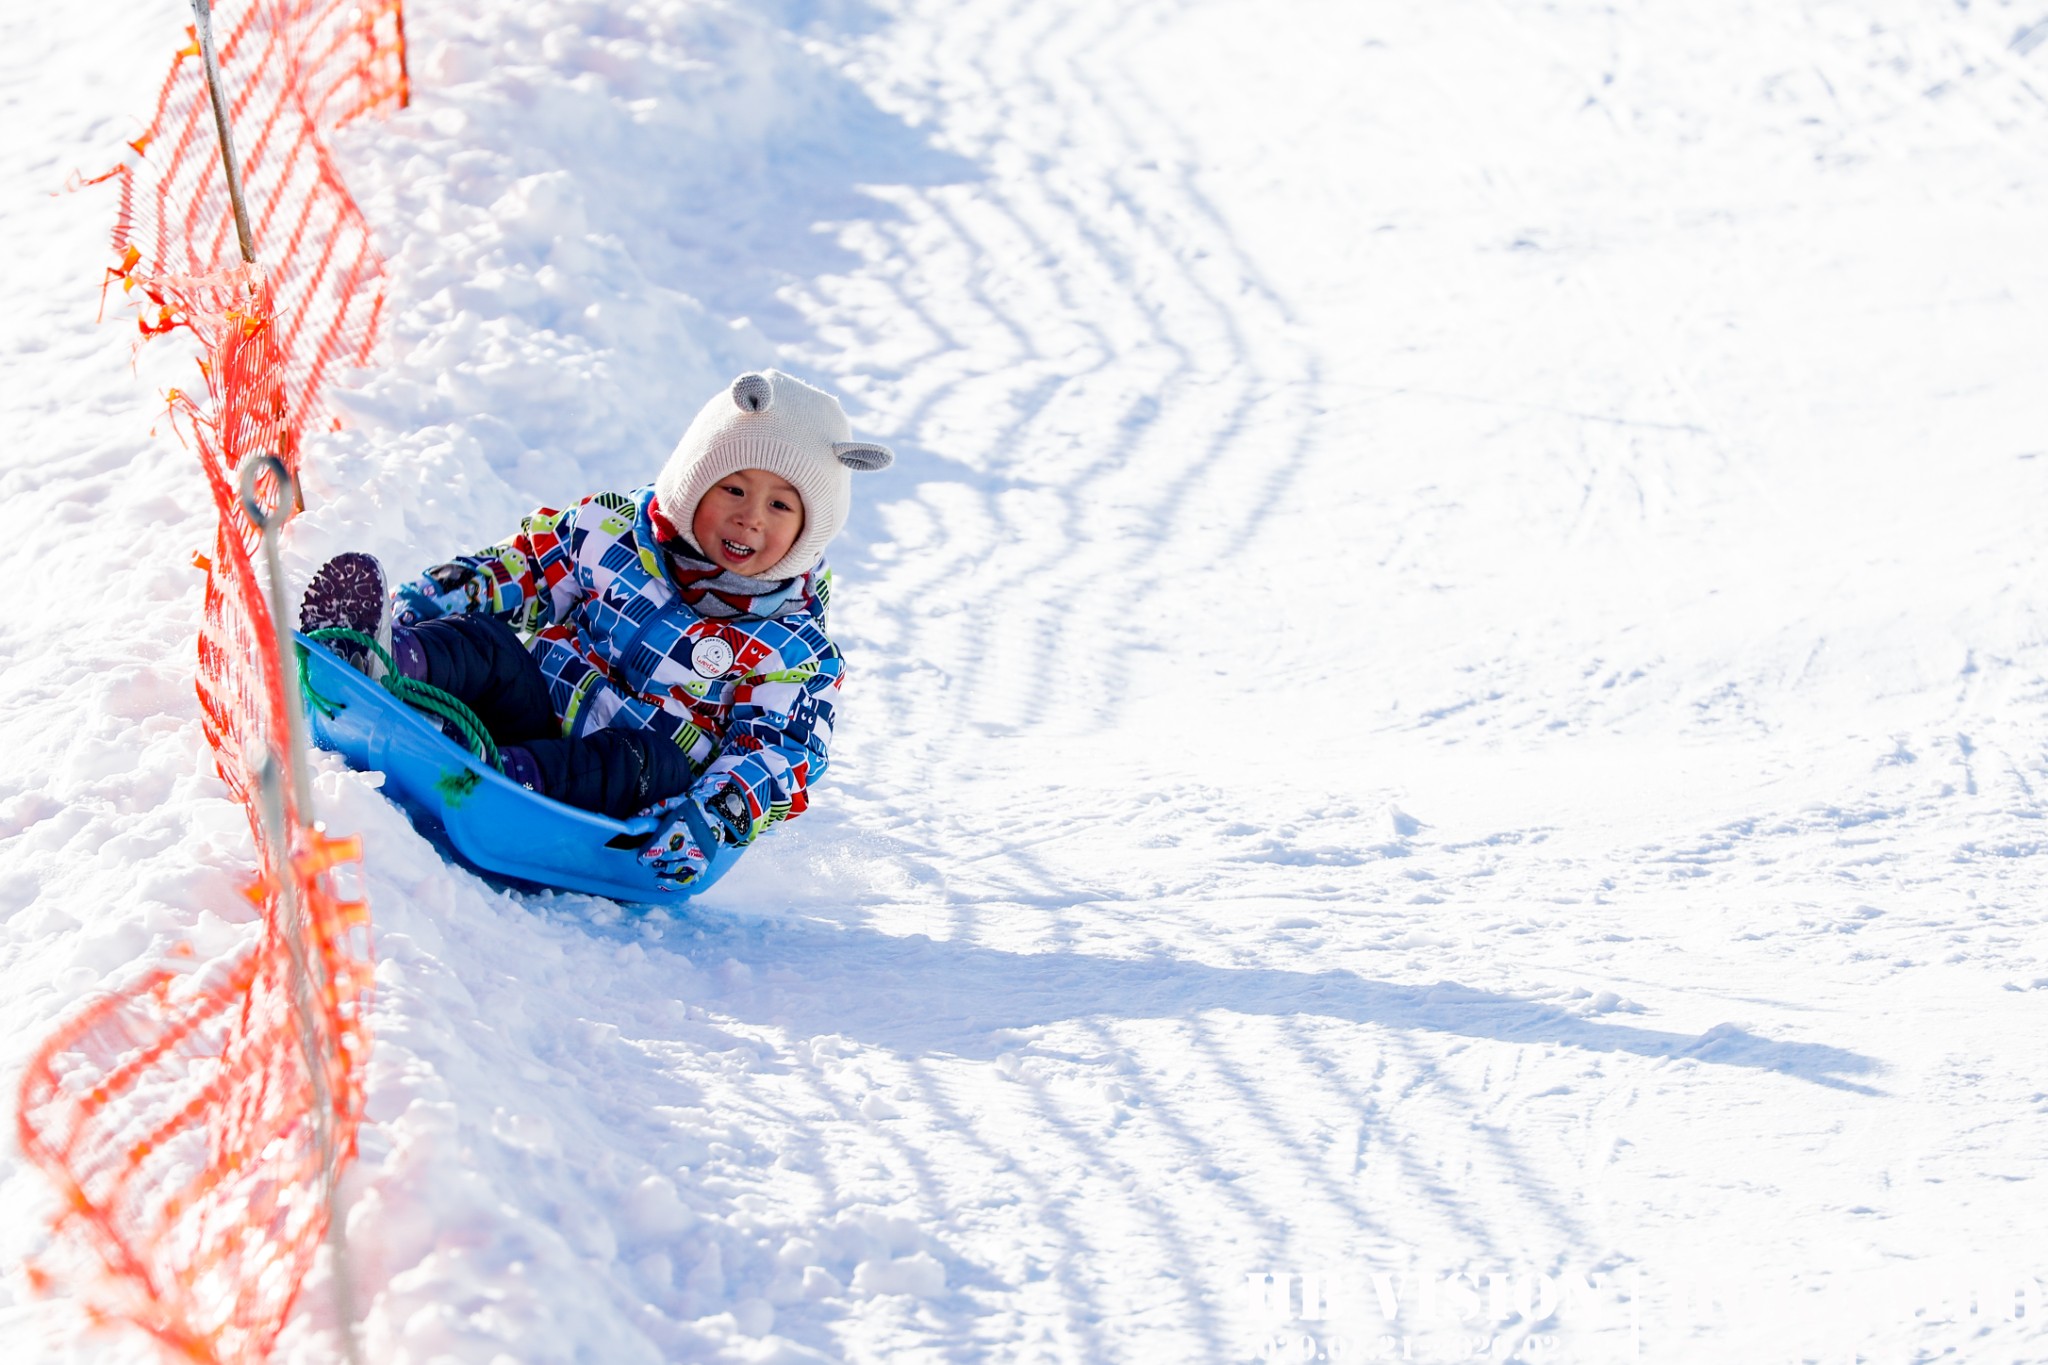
column 348, row 592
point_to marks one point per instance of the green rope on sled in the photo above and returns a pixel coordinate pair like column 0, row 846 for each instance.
column 325, row 705
column 418, row 695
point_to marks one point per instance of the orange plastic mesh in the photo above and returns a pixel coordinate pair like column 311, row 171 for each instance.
column 177, row 1119
column 295, row 71
column 196, row 1121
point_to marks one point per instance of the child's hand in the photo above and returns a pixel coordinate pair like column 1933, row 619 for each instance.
column 441, row 589
column 690, row 831
column 411, row 605
column 676, row 853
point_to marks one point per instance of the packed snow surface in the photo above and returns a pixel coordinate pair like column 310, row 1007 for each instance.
column 1445, row 755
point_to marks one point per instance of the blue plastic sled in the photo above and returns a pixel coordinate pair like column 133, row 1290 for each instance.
column 490, row 822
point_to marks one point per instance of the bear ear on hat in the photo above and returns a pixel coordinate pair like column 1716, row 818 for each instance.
column 752, row 393
column 863, row 456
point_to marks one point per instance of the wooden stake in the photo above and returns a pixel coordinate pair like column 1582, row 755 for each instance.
column 203, row 11
column 404, row 59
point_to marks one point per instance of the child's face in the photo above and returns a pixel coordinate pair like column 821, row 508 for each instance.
column 748, row 521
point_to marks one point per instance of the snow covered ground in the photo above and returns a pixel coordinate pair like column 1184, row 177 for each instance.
column 1448, row 691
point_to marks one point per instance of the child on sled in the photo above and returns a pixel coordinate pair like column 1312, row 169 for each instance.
column 675, row 644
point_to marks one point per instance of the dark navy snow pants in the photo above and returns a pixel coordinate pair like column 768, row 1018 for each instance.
column 482, row 662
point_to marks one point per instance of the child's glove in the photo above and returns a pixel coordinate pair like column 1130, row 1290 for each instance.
column 435, row 593
column 691, row 829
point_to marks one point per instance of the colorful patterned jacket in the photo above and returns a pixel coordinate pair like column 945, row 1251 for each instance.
column 749, row 697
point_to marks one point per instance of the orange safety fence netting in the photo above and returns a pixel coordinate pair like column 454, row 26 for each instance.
column 195, row 1122
column 178, row 1121
column 294, row 70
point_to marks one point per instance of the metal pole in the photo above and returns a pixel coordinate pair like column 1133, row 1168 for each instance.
column 269, row 522
column 202, row 10
column 314, row 1045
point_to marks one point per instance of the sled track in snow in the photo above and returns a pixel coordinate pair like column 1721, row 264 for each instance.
column 1086, row 299
column 1087, row 341
column 1082, row 333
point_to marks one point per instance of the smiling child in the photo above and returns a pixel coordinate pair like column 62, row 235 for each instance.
column 675, row 645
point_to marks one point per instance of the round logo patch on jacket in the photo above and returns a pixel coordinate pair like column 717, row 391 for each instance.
column 710, row 657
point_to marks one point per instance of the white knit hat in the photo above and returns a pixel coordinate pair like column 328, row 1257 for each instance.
column 772, row 421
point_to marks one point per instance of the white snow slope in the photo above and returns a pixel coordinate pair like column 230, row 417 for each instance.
column 1448, row 692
